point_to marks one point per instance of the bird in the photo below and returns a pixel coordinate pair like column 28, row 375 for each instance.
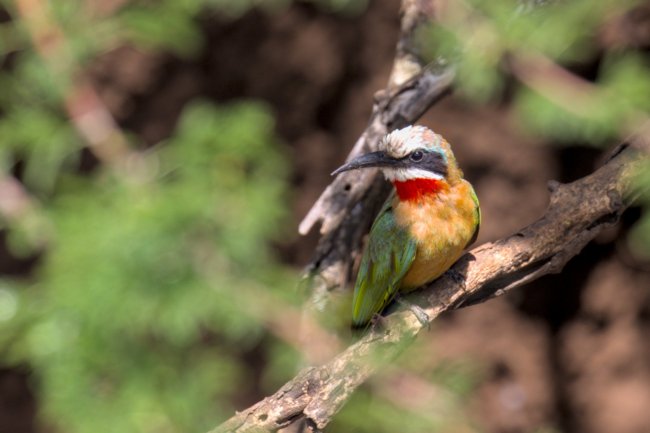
column 430, row 217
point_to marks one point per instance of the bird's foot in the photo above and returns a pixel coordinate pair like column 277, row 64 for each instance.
column 377, row 322
column 457, row 277
column 417, row 311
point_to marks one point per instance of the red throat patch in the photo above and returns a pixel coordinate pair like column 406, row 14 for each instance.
column 416, row 189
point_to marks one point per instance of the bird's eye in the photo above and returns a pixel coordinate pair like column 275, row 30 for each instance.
column 417, row 156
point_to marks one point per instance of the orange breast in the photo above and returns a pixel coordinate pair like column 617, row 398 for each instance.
column 442, row 224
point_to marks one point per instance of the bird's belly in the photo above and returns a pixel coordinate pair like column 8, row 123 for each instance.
column 442, row 232
column 428, row 266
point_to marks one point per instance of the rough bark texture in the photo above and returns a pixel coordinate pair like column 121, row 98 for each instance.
column 577, row 212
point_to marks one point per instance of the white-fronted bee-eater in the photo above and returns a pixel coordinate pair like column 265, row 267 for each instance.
column 428, row 220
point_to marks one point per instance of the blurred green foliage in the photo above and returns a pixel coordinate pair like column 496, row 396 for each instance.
column 142, row 268
column 483, row 35
column 137, row 315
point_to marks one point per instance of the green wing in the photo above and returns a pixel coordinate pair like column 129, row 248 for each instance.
column 387, row 258
column 477, row 218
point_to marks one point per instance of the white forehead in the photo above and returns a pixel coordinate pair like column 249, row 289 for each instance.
column 401, row 142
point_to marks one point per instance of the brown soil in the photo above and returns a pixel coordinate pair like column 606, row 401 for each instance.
column 568, row 352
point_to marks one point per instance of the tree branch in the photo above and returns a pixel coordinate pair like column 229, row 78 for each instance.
column 577, row 212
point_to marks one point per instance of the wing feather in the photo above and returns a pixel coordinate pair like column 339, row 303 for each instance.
column 477, row 216
column 387, row 258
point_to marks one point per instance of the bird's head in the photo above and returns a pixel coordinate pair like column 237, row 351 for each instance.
column 415, row 159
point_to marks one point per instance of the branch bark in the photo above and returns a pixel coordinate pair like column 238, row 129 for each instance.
column 577, row 212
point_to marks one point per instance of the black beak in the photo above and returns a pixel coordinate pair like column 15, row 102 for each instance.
column 374, row 159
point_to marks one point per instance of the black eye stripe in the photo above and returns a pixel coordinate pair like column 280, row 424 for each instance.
column 425, row 160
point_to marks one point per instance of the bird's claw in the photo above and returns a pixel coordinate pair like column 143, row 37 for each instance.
column 457, row 277
column 377, row 322
column 417, row 311
column 421, row 315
